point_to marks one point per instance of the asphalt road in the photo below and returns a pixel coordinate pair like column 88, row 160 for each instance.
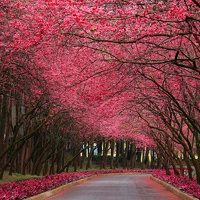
column 117, row 187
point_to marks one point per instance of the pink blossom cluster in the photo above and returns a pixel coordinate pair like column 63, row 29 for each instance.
column 182, row 183
column 31, row 187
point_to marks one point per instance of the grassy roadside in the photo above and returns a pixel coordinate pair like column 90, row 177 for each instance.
column 15, row 177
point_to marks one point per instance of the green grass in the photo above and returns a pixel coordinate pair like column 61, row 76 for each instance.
column 15, row 177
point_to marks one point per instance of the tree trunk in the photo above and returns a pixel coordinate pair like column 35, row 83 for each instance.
column 88, row 165
column 187, row 162
column 52, row 168
column 142, row 159
column 3, row 119
column 112, row 146
column 117, row 153
column 180, row 162
column 133, row 156
column 166, row 165
column 159, row 161
column 152, row 159
column 176, row 171
column 105, row 151
column 125, row 153
column 3, row 124
column 146, row 158
column 82, row 159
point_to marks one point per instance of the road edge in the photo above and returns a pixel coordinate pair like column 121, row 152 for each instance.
column 172, row 189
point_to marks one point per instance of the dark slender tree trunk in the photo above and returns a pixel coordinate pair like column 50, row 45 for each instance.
column 52, row 168
column 166, row 165
column 176, row 171
column 133, row 156
column 188, row 164
column 152, row 159
column 105, row 151
column 117, row 153
column 159, row 160
column 3, row 118
column 125, row 153
column 91, row 153
column 112, row 146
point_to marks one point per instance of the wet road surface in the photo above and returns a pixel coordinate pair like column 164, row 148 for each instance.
column 117, row 187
